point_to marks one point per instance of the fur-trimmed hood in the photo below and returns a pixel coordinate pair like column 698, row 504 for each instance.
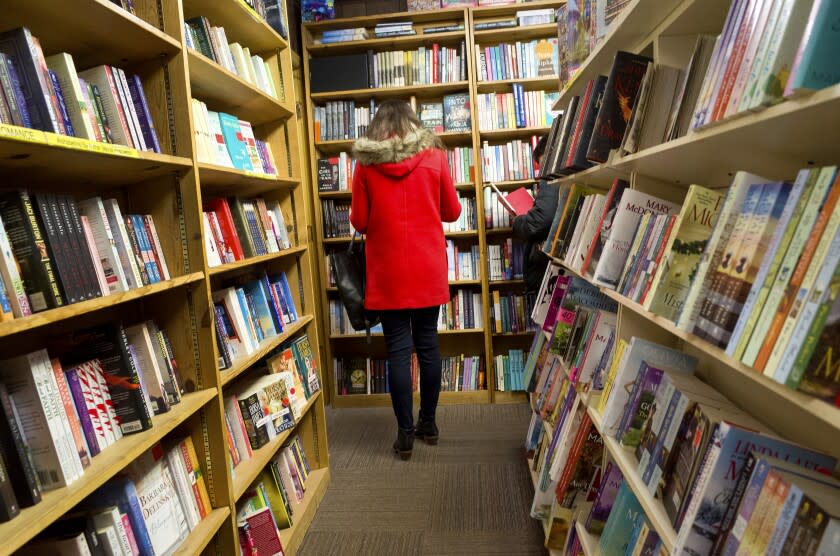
column 394, row 149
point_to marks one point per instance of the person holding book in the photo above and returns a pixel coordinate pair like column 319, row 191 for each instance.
column 533, row 227
column 402, row 191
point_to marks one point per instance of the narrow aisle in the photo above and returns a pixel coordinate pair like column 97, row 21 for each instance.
column 470, row 494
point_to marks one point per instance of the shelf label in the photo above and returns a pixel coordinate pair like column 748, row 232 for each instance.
column 26, row 135
column 260, row 175
column 17, row 133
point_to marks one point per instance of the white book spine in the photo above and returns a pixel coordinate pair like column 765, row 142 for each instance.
column 183, row 487
column 74, row 100
column 164, row 269
column 106, row 247
column 122, row 244
column 109, row 413
column 128, row 107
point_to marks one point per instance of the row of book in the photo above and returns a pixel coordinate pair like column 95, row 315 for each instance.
column 423, row 66
column 236, row 229
column 687, row 439
column 515, row 110
column 580, row 27
column 393, row 29
column 511, row 161
column 343, row 119
column 212, row 42
column 459, row 373
column 340, row 321
column 424, row 5
column 463, row 311
column 270, row 503
column 102, row 103
column 273, row 12
column 509, row 369
column 331, row 36
column 462, row 264
column 467, row 221
column 335, row 173
column 65, row 404
column 55, row 251
column 495, row 215
column 227, row 141
column 264, row 406
column 451, row 115
column 519, row 60
column 336, row 218
column 461, row 164
column 506, row 261
column 149, row 509
column 248, row 315
column 769, row 50
column 749, row 272
column 510, row 312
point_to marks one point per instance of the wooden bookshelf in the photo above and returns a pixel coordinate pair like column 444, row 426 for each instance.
column 588, row 541
column 482, row 341
column 171, row 185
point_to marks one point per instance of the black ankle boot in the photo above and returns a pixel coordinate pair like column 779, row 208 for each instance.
column 404, row 443
column 426, row 430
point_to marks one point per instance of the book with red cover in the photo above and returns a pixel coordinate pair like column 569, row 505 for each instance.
column 623, row 84
column 225, row 218
column 517, row 202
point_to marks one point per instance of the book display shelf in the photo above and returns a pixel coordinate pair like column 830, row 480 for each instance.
column 450, row 28
column 171, row 186
column 776, row 142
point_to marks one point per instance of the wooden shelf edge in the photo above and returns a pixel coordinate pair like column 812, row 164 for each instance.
column 204, row 532
column 73, row 310
column 390, row 91
column 247, row 471
column 373, row 42
column 304, row 511
column 236, row 173
column 253, row 261
column 109, row 462
column 589, row 543
column 227, row 375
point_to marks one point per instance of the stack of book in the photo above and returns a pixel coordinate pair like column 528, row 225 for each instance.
column 462, row 312
column 101, row 104
column 459, row 373
column 512, row 161
column 510, row 312
column 269, row 504
column 393, row 29
column 686, row 438
column 462, row 265
column 343, row 119
column 497, row 24
column 63, row 405
column 505, row 261
column 55, row 251
column 336, row 172
column 461, row 164
column 336, row 218
column 227, row 141
column 520, row 60
column 343, row 35
column 150, row 509
column 248, row 315
column 509, row 371
column 515, row 110
column 212, row 43
column 535, row 17
column 423, row 66
column 237, row 229
column 467, row 221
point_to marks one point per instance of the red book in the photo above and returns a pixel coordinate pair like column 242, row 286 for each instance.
column 742, row 39
column 225, row 219
column 579, row 118
column 574, row 456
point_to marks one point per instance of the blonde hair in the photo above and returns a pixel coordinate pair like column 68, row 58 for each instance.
column 395, row 117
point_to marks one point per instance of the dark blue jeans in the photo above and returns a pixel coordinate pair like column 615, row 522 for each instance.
column 402, row 328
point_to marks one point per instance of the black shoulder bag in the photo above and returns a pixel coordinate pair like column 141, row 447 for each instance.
column 349, row 267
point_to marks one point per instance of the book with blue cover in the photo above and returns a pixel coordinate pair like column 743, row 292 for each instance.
column 235, row 142
column 622, row 520
column 817, row 65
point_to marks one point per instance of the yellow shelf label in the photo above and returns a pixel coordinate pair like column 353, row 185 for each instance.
column 24, row 134
column 260, row 175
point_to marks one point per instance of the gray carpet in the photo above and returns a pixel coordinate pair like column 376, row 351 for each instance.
column 468, row 495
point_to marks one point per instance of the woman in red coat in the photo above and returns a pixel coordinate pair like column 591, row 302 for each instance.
column 402, row 192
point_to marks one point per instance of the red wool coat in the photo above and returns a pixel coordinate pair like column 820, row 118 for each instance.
column 402, row 191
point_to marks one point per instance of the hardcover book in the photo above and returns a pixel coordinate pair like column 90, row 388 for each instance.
column 456, row 113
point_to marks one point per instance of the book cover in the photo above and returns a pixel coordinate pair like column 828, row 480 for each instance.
column 302, row 350
column 456, row 113
column 815, row 66
column 620, row 92
column 235, row 142
column 17, row 454
column 122, row 493
column 618, row 529
column 19, row 45
column 638, row 406
column 611, row 481
column 604, row 228
column 676, row 272
column 431, row 115
column 11, row 277
column 579, row 143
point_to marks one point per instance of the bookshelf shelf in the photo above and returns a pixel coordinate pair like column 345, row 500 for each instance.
column 241, row 23
column 316, row 488
column 254, row 261
column 627, row 32
column 335, row 194
column 55, row 503
column 461, row 235
column 425, row 17
column 336, row 240
column 434, row 90
column 384, row 400
column 265, row 348
column 588, row 541
column 204, row 532
column 498, row 283
column 247, row 471
column 498, row 231
column 227, row 92
column 52, row 316
column 465, row 282
column 528, row 333
column 653, row 508
column 484, row 12
column 221, row 180
column 35, row 155
column 111, row 35
column 601, row 175
column 524, row 33
column 504, row 86
column 511, row 185
column 500, row 396
column 511, row 134
column 465, row 187
column 396, row 43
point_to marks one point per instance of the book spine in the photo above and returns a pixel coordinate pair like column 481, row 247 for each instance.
column 71, row 214
column 136, row 251
column 141, row 106
column 101, row 116
column 17, row 454
column 142, row 418
column 72, row 419
column 79, row 399
column 10, row 85
column 252, row 414
column 156, row 249
column 59, row 246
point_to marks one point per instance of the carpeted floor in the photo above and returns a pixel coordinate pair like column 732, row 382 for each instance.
column 470, row 495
